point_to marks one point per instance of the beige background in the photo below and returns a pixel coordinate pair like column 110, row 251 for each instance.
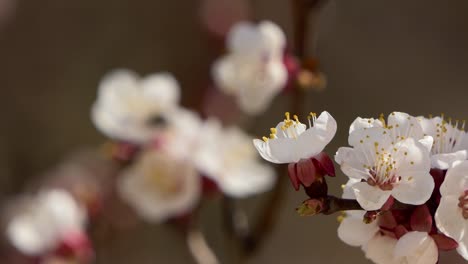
column 379, row 56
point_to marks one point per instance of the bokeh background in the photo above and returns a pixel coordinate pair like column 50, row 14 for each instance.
column 379, row 56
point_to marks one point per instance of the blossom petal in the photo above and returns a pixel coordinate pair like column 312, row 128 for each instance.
column 427, row 141
column 411, row 156
column 244, row 37
column 445, row 161
column 246, row 180
column 414, row 188
column 314, row 139
column 283, row 150
column 273, row 36
column 417, row 247
column 360, row 123
column 404, row 125
column 256, row 98
column 264, row 150
column 162, row 88
column 456, row 180
column 370, row 197
column 352, row 163
column 449, row 219
column 463, row 248
column 354, row 232
column 380, row 249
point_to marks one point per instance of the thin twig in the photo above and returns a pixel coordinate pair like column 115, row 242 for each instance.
column 199, row 248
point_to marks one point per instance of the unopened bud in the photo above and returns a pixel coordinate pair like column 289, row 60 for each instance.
column 310, row 207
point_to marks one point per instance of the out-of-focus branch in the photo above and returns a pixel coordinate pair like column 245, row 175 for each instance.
column 250, row 239
column 199, row 248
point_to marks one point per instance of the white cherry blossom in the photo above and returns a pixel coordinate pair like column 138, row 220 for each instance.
column 160, row 186
column 292, row 141
column 450, row 141
column 452, row 214
column 226, row 155
column 42, row 222
column 253, row 71
column 386, row 168
column 130, row 108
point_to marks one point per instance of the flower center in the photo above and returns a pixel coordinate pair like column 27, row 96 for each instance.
column 291, row 128
column 161, row 179
column 449, row 136
column 156, row 121
column 463, row 204
column 383, row 174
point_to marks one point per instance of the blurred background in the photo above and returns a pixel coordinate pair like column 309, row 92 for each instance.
column 378, row 56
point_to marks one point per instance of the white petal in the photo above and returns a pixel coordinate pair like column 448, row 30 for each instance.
column 273, row 36
column 283, row 150
column 364, row 140
column 463, row 247
column 427, row 141
column 414, row 188
column 161, row 88
column 244, row 37
column 445, row 161
column 264, row 150
column 248, row 179
column 152, row 201
column 262, row 88
column 370, row 197
column 316, row 138
column 417, row 248
column 429, row 125
column 348, row 192
column 354, row 232
column 411, row 156
column 64, row 211
column 224, row 75
column 405, row 126
column 380, row 249
column 449, row 219
column 456, row 180
column 360, row 123
column 352, row 163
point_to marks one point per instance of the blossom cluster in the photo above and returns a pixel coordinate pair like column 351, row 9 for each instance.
column 406, row 198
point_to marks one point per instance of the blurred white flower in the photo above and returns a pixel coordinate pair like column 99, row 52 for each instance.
column 183, row 133
column 130, row 108
column 412, row 248
column 292, row 141
column 42, row 224
column 384, row 167
column 452, row 214
column 253, row 71
column 226, row 155
column 160, row 186
column 450, row 142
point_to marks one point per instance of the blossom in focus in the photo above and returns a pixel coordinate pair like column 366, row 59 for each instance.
column 160, row 186
column 292, row 141
column 253, row 70
column 386, row 168
column 132, row 109
column 450, row 141
column 452, row 214
column 44, row 223
column 399, row 126
column 226, row 156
